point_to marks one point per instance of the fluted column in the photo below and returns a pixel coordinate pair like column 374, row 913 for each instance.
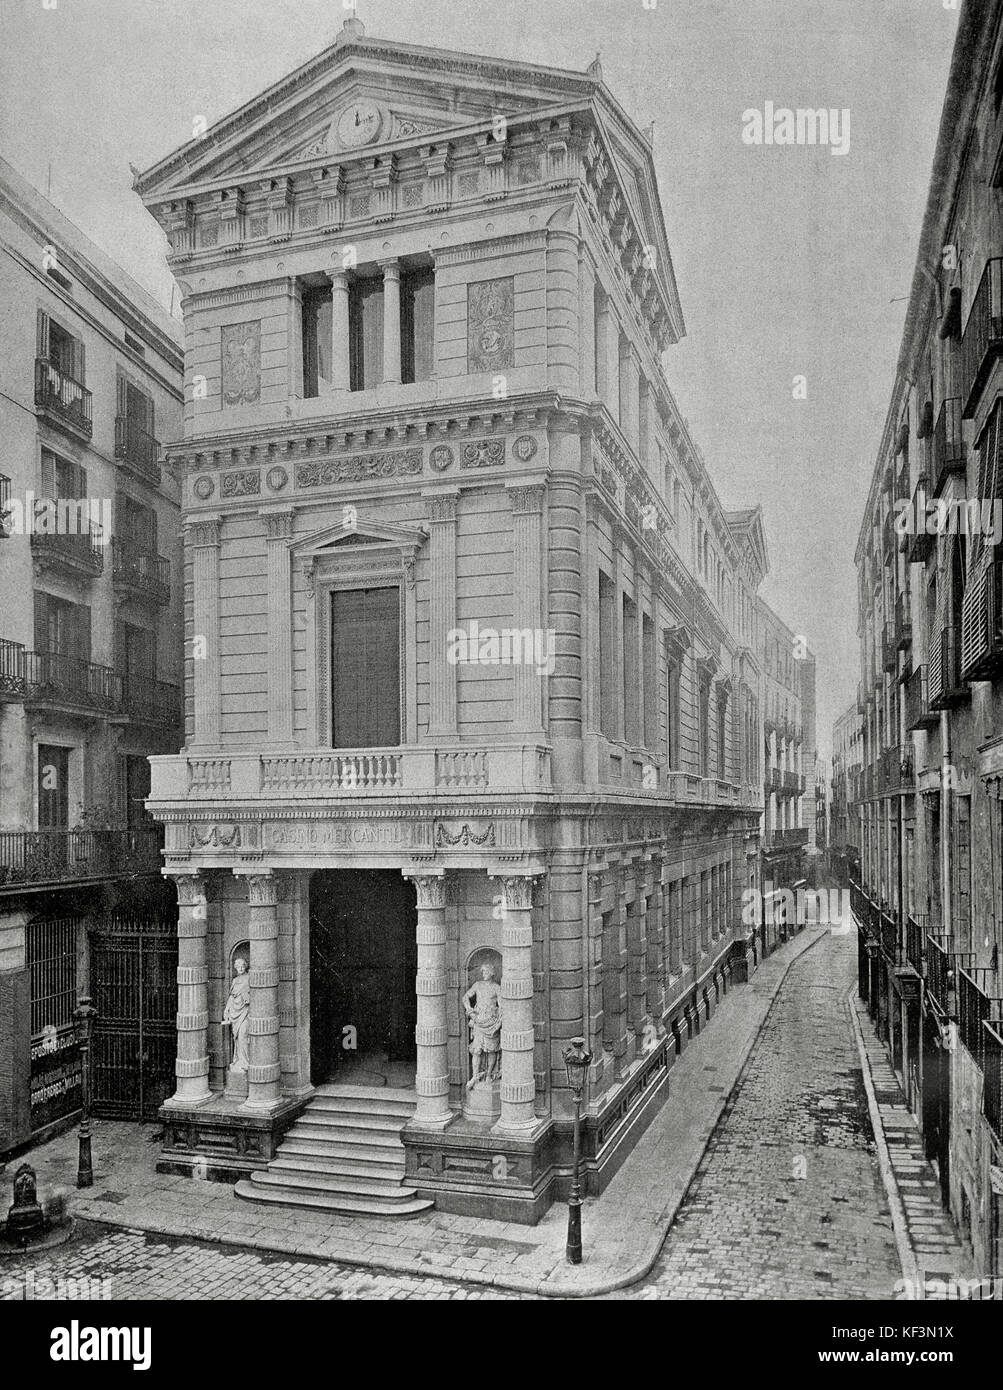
column 528, row 678
column 278, row 531
column 192, row 1065
column 340, row 380
column 656, row 944
column 518, row 1085
column 204, row 538
column 391, row 322
column 431, row 1031
column 442, row 612
column 264, row 1069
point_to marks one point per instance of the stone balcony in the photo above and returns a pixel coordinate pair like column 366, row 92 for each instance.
column 400, row 774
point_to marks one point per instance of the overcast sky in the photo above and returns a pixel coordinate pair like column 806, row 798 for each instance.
column 790, row 260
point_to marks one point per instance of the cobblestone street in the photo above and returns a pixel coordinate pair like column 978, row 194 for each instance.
column 787, row 1202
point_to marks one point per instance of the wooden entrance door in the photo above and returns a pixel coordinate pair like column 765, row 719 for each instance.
column 363, row 962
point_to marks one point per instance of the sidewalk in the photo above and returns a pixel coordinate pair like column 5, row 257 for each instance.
column 622, row 1230
column 930, row 1250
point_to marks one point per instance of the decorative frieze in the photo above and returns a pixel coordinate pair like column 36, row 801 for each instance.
column 483, row 453
column 389, row 464
column 491, row 325
column 240, row 348
column 244, row 483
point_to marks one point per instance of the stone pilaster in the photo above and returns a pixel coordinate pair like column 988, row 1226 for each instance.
column 339, row 331
column 518, row 1086
column 656, row 961
column 431, row 1032
column 278, row 532
column 442, row 612
column 204, row 538
column 629, row 387
column 391, row 321
column 527, row 525
column 264, row 1069
column 192, row 1065
column 587, row 325
column 637, row 961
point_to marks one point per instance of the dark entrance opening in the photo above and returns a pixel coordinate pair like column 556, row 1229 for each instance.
column 363, row 961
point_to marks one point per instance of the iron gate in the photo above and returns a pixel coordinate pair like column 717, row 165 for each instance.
column 134, row 985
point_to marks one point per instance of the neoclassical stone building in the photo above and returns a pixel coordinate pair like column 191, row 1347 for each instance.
column 472, row 672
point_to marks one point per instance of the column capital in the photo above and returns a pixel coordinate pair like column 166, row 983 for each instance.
column 190, row 888
column 430, row 889
column 203, row 530
column 339, row 280
column 527, row 500
column 391, row 268
column 517, row 889
column 262, row 886
column 440, row 507
column 278, row 522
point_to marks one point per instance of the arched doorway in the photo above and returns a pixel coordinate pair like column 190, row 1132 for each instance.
column 363, row 961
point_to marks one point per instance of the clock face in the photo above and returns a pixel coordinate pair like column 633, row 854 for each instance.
column 359, row 124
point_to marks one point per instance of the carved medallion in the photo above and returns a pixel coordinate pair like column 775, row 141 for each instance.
column 203, row 487
column 276, row 478
column 524, row 448
column 441, row 458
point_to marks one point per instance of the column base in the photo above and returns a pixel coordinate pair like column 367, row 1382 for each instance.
column 432, row 1124
column 180, row 1102
column 521, row 1129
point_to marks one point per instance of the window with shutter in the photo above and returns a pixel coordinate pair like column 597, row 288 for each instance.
column 42, row 341
column 365, row 326
column 365, row 668
column 977, row 622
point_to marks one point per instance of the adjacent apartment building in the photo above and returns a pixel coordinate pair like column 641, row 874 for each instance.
column 788, row 685
column 90, row 655
column 931, row 632
column 844, row 835
column 473, row 754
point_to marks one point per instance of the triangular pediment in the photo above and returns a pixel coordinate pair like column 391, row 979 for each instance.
column 354, row 533
column 358, row 95
column 750, row 537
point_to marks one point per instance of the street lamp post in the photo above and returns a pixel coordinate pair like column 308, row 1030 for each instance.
column 83, row 1019
column 576, row 1060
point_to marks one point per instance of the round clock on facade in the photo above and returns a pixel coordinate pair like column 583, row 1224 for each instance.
column 359, row 123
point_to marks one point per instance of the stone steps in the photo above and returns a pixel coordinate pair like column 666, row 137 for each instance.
column 343, row 1154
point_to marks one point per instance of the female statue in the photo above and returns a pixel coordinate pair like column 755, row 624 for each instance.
column 235, row 1015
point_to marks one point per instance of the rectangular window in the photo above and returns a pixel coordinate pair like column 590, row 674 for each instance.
column 316, row 311
column 365, row 333
column 672, row 714
column 136, row 778
column 963, row 872
column 610, row 978
column 365, row 668
column 650, row 683
column 722, row 735
column 607, row 655
column 53, row 787
column 703, row 729
column 417, row 291
column 631, row 690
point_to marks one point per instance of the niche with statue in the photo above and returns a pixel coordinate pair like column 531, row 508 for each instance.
column 236, row 1021
column 482, row 1006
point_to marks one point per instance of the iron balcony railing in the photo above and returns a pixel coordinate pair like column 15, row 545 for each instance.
column 918, row 712
column 775, row 779
column 61, row 397
column 920, row 541
column 79, row 548
column 60, row 856
column 55, row 679
column 948, row 444
column 992, row 1073
column 141, row 570
column 137, row 447
column 147, row 700
column 896, row 768
column 889, row 932
column 790, row 781
column 791, row 838
column 983, row 335
column 13, row 685
column 4, row 506
column 951, row 689
column 903, row 624
column 915, row 940
column 975, row 1007
column 942, row 967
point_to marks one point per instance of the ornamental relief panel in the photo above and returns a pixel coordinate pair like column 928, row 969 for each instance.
column 240, row 350
column 491, row 325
